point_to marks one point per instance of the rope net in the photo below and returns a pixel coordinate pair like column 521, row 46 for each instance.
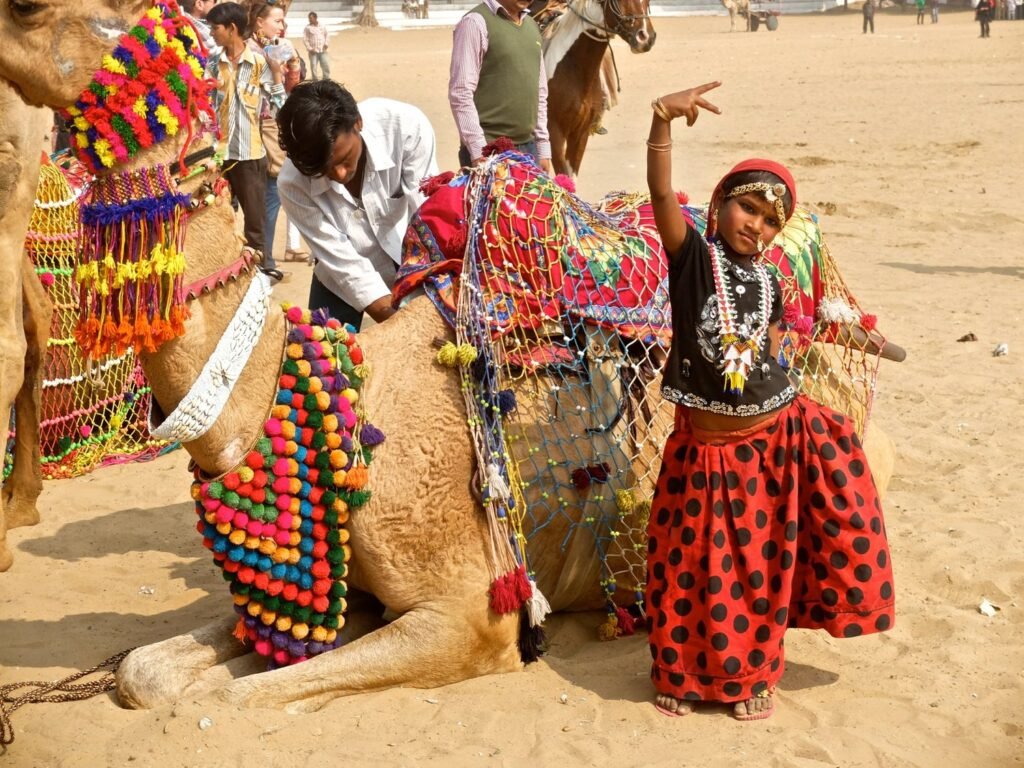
column 92, row 413
column 562, row 320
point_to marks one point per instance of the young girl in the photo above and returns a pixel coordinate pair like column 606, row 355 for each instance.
column 765, row 515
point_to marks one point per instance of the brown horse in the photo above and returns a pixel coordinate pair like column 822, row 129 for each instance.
column 577, row 46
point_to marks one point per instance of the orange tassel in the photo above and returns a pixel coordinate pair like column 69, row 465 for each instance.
column 240, row 632
column 356, row 478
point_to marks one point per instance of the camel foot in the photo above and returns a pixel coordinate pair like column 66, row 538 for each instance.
column 20, row 511
column 671, row 706
column 760, row 707
column 6, row 559
column 163, row 673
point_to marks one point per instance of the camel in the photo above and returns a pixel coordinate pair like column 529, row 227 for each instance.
column 25, row 312
column 420, row 546
column 736, row 8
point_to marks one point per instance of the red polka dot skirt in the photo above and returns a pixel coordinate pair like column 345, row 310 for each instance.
column 781, row 528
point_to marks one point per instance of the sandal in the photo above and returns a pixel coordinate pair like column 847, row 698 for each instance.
column 290, row 255
column 274, row 274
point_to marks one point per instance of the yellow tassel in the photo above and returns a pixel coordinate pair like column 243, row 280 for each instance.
column 624, row 501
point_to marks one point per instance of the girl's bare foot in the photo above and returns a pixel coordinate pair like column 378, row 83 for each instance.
column 760, row 707
column 671, row 706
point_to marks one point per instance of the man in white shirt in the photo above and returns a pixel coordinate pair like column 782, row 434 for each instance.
column 351, row 184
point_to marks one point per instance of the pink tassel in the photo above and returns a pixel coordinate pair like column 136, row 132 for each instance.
column 627, row 624
column 504, row 594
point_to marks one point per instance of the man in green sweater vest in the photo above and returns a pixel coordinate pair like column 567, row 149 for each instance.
column 498, row 86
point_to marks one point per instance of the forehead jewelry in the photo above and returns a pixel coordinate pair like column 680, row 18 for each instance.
column 773, row 193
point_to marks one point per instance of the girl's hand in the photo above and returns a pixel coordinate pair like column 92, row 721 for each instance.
column 688, row 103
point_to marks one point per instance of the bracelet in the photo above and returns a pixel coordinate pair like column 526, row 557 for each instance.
column 660, row 111
column 666, row 147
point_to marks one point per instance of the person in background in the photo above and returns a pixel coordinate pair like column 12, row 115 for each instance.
column 497, row 85
column 920, row 10
column 935, row 11
column 243, row 78
column 983, row 13
column 869, row 16
column 196, row 11
column 351, row 183
column 268, row 27
column 314, row 37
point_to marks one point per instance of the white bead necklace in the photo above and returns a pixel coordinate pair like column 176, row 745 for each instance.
column 738, row 352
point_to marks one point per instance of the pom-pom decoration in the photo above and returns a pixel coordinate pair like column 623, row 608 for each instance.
column 275, row 524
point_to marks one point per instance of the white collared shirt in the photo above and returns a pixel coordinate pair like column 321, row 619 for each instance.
column 358, row 243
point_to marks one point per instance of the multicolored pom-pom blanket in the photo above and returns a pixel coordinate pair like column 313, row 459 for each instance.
column 276, row 523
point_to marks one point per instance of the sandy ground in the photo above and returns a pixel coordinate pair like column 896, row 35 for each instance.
column 913, row 136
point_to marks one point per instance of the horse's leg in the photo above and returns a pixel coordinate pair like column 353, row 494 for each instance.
column 557, row 139
column 26, row 481
column 431, row 645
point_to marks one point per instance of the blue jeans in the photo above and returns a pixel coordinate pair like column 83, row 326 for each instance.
column 273, row 203
column 526, row 148
column 319, row 60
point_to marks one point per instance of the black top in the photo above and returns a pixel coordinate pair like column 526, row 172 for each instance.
column 693, row 375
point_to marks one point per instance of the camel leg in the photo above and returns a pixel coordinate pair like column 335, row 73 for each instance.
column 11, row 371
column 430, row 646
column 26, row 481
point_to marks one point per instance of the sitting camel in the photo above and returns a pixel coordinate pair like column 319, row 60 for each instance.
column 420, row 545
column 25, row 312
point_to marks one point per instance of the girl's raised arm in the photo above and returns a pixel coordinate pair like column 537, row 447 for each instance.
column 667, row 215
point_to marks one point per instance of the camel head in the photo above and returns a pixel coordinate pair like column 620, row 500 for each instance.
column 52, row 47
column 630, row 20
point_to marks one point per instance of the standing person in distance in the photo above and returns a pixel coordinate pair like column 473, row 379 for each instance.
column 315, row 38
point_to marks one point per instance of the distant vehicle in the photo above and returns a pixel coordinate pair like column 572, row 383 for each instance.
column 764, row 12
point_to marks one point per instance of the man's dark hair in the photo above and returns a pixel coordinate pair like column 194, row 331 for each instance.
column 315, row 114
column 228, row 14
column 188, row 6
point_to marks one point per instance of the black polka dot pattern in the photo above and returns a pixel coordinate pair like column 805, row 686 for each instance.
column 755, row 552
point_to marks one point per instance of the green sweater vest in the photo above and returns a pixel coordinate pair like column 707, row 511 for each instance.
column 506, row 95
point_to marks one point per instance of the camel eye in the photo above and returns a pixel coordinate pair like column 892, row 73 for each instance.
column 25, row 8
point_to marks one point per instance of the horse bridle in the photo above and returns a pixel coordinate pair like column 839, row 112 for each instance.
column 622, row 20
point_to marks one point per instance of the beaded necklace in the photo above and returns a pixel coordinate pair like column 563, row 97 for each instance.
column 738, row 352
column 150, row 86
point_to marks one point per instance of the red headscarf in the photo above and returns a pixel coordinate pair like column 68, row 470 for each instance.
column 753, row 164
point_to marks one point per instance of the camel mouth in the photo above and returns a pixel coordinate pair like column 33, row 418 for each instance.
column 20, row 93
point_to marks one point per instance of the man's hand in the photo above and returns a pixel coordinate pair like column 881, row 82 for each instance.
column 381, row 309
column 545, row 165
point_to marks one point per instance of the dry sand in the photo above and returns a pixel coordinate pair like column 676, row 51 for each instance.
column 914, row 136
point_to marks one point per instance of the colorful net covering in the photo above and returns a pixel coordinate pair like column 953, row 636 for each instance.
column 562, row 319
column 92, row 414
